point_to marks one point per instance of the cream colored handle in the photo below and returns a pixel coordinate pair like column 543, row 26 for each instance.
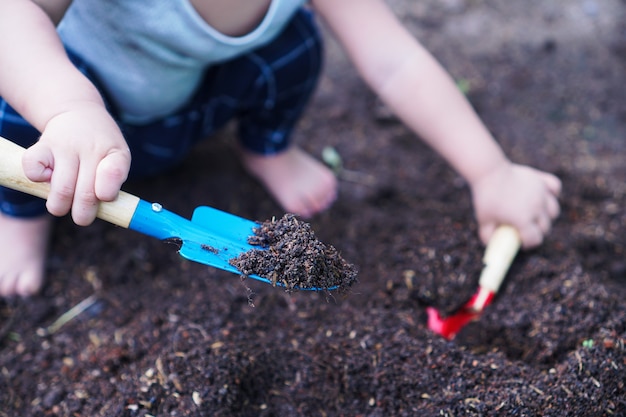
column 119, row 212
column 499, row 255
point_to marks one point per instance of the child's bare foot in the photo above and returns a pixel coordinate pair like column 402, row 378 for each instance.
column 23, row 250
column 299, row 183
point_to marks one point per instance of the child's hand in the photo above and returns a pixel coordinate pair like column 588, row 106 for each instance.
column 84, row 156
column 518, row 195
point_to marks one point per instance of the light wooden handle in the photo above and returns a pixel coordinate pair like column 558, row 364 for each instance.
column 499, row 255
column 119, row 212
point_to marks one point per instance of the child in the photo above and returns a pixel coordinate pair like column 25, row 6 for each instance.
column 122, row 77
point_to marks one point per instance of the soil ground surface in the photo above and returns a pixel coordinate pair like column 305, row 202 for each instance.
column 161, row 336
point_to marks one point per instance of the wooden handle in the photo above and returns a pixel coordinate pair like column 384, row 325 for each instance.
column 119, row 212
column 499, row 255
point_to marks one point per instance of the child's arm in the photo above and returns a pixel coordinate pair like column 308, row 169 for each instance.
column 81, row 151
column 415, row 86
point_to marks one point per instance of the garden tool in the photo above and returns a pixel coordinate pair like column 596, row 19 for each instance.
column 212, row 237
column 499, row 254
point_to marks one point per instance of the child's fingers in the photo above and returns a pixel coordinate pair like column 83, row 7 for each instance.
column 544, row 223
column 38, row 162
column 553, row 183
column 71, row 181
column 553, row 208
column 111, row 173
column 485, row 231
column 531, row 236
column 85, row 202
column 62, row 185
column 98, row 179
column 533, row 232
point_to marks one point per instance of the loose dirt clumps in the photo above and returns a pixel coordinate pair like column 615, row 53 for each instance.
column 169, row 337
column 294, row 258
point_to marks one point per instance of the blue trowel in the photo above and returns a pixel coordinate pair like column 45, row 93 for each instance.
column 211, row 237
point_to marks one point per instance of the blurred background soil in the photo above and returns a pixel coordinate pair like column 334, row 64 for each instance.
column 163, row 336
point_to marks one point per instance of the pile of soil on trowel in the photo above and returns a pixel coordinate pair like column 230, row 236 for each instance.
column 291, row 256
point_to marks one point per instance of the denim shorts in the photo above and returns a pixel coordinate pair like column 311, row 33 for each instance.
column 265, row 91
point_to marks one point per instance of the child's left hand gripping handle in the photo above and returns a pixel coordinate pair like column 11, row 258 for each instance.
column 119, row 212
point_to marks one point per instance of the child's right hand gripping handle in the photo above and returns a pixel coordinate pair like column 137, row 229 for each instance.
column 119, row 212
column 499, row 254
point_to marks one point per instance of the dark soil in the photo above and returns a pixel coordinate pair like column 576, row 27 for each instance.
column 162, row 336
column 291, row 256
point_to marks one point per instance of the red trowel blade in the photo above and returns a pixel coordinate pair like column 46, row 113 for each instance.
column 499, row 254
column 449, row 326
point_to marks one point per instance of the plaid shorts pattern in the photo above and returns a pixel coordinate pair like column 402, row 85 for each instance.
column 265, row 90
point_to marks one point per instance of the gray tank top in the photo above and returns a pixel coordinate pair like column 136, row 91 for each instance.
column 151, row 54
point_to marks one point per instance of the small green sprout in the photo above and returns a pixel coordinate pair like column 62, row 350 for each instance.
column 333, row 160
column 331, row 157
column 464, row 85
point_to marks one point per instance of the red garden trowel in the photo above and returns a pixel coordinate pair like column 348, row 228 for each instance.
column 499, row 254
column 212, row 237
